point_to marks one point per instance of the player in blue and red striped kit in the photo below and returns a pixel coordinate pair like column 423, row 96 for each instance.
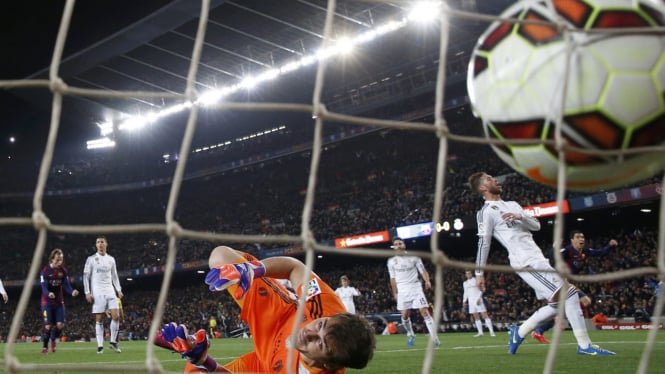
column 53, row 279
column 575, row 254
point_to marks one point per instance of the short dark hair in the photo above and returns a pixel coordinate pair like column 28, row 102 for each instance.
column 474, row 180
column 574, row 232
column 351, row 340
column 396, row 238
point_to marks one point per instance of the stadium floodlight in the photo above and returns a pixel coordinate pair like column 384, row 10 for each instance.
column 249, row 83
column 269, row 75
column 134, row 123
column 211, row 97
column 424, row 11
column 252, row 81
column 366, row 37
column 389, row 27
column 174, row 109
column 105, row 128
column 291, row 66
column 307, row 60
column 240, row 139
column 342, row 47
column 100, row 143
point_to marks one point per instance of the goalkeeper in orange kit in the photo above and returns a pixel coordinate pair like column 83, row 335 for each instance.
column 327, row 341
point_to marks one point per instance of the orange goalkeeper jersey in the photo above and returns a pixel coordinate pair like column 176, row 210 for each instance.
column 270, row 312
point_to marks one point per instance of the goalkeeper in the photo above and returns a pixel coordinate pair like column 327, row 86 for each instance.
column 327, row 341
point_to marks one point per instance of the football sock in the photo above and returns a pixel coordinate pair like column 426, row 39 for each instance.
column 45, row 336
column 115, row 327
column 545, row 326
column 99, row 333
column 55, row 333
column 488, row 323
column 576, row 319
column 407, row 325
column 429, row 322
column 544, row 313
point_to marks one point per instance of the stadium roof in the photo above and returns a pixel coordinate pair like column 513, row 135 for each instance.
column 146, row 46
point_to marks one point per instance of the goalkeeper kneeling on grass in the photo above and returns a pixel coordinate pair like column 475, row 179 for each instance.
column 327, row 341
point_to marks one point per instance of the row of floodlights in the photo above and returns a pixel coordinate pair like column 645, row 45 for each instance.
column 168, row 157
column 421, row 12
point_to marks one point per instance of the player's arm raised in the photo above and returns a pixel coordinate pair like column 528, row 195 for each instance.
column 229, row 267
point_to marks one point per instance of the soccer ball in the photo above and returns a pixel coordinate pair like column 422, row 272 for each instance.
column 614, row 91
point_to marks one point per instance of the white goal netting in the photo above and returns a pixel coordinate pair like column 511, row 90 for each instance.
column 193, row 102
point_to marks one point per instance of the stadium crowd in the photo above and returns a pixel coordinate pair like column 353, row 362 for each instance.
column 369, row 183
column 508, row 300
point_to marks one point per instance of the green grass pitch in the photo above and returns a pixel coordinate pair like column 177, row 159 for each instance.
column 459, row 353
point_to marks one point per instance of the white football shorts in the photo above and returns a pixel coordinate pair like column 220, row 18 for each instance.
column 545, row 284
column 411, row 298
column 101, row 303
column 475, row 308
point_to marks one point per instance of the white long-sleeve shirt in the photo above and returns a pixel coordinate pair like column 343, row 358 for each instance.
column 515, row 236
column 100, row 276
column 2, row 288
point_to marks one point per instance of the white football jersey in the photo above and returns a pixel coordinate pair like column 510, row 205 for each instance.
column 346, row 294
column 404, row 269
column 100, row 275
column 471, row 291
column 515, row 236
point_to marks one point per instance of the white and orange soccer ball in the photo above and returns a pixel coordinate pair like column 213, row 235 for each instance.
column 614, row 91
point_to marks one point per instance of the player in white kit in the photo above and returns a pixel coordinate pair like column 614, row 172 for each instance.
column 102, row 289
column 473, row 297
column 346, row 294
column 506, row 222
column 408, row 291
column 5, row 297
